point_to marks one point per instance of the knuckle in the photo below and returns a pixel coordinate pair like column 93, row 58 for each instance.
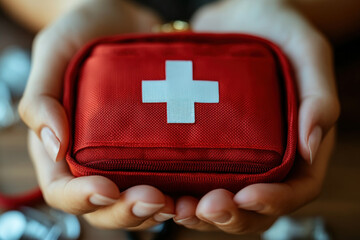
column 51, row 197
column 58, row 39
column 238, row 226
column 321, row 44
column 317, row 46
column 41, row 40
column 48, row 198
column 328, row 105
column 48, row 39
column 23, row 108
column 26, row 111
column 333, row 106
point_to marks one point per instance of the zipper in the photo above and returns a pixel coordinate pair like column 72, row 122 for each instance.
column 180, row 166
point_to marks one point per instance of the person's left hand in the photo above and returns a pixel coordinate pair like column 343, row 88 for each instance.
column 97, row 198
column 256, row 207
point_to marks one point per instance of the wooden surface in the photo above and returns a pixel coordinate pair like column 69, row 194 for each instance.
column 339, row 203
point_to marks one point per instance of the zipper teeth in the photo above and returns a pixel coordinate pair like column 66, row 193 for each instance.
column 179, row 166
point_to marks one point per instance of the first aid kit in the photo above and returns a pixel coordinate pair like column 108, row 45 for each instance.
column 184, row 112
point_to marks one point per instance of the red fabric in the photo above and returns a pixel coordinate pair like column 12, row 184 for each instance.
column 249, row 136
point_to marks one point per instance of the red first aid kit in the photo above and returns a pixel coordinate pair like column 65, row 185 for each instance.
column 184, row 112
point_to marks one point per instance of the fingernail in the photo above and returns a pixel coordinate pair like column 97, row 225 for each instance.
column 188, row 221
column 219, row 218
column 314, row 142
column 141, row 209
column 251, row 206
column 101, row 200
column 51, row 142
column 162, row 217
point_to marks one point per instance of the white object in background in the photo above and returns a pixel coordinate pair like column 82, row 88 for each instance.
column 180, row 91
column 286, row 228
column 14, row 69
column 12, row 225
column 68, row 223
column 32, row 224
column 7, row 113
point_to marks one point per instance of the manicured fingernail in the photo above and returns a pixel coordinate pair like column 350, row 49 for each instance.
column 251, row 206
column 101, row 200
column 162, row 217
column 51, row 142
column 219, row 218
column 188, row 221
column 141, row 209
column 314, row 142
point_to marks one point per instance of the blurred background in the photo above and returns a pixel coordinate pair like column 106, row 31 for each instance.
column 337, row 209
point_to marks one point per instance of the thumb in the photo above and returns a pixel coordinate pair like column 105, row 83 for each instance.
column 40, row 106
column 319, row 104
column 47, row 118
column 316, row 116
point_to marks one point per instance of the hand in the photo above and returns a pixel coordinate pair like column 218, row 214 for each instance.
column 95, row 196
column 256, row 207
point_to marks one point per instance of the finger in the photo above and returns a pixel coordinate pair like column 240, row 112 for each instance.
column 132, row 209
column 166, row 213
column 304, row 185
column 319, row 104
column 308, row 51
column 62, row 191
column 53, row 48
column 47, row 118
column 218, row 208
column 186, row 214
column 40, row 107
column 310, row 54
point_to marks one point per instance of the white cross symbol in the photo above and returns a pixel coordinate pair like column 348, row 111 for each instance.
column 180, row 92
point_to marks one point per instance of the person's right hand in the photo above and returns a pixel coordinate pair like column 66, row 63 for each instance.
column 255, row 207
column 40, row 108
